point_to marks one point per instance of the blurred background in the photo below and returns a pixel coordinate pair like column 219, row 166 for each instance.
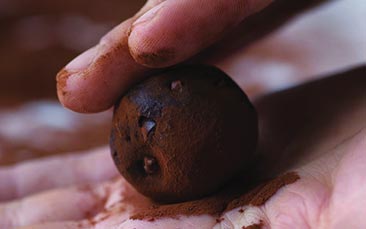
column 38, row 37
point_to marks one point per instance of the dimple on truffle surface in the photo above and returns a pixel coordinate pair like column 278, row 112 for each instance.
column 183, row 134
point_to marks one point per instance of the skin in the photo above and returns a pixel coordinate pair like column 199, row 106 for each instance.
column 329, row 194
column 317, row 130
column 141, row 45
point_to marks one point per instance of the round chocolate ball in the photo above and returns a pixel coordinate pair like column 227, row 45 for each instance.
column 184, row 133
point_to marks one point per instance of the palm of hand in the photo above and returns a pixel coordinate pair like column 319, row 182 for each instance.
column 317, row 130
column 327, row 150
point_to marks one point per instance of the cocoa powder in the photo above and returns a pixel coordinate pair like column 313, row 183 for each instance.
column 234, row 196
column 254, row 226
column 61, row 79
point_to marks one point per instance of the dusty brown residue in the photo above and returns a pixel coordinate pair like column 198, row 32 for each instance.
column 262, row 193
column 219, row 220
column 254, row 226
column 160, row 57
column 226, row 200
column 61, row 78
column 98, row 206
column 170, row 131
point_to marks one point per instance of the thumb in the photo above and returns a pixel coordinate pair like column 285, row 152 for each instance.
column 175, row 30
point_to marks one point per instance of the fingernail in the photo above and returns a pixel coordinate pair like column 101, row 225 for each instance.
column 149, row 15
column 82, row 61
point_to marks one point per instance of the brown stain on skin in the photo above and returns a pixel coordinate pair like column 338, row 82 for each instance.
column 93, row 221
column 219, row 220
column 75, row 100
column 99, row 212
column 100, row 201
column 157, row 58
column 254, row 226
column 151, row 220
column 129, row 31
column 61, row 79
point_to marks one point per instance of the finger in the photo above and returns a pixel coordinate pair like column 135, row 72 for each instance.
column 93, row 81
column 96, row 79
column 56, row 205
column 59, row 171
column 175, row 30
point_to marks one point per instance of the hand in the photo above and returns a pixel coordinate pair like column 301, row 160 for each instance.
column 316, row 129
column 162, row 34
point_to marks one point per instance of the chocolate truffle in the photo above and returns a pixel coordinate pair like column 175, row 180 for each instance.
column 183, row 133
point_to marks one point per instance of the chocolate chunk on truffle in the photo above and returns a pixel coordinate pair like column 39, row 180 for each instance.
column 183, row 133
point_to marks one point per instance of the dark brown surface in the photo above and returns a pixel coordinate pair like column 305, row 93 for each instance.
column 254, row 226
column 195, row 122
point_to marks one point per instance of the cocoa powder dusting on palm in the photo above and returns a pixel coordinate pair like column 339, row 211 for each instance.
column 232, row 197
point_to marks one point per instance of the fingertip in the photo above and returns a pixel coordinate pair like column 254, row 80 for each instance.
column 78, row 101
column 70, row 80
column 61, row 85
column 94, row 80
